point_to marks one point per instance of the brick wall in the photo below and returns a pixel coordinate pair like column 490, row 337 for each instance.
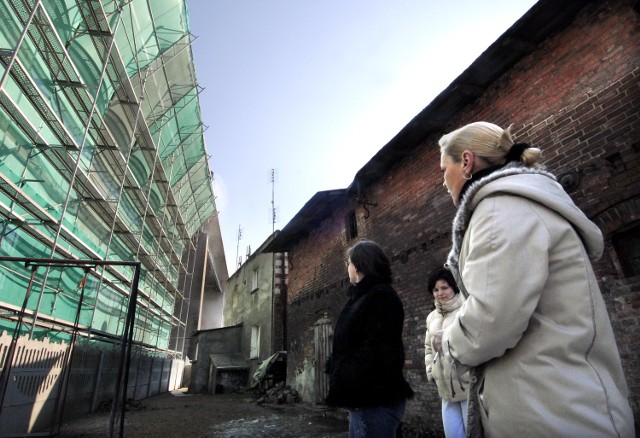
column 578, row 98
column 316, row 284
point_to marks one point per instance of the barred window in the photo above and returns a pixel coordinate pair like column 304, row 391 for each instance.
column 627, row 246
column 351, row 226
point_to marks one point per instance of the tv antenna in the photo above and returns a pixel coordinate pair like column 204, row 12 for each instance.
column 274, row 176
column 239, row 259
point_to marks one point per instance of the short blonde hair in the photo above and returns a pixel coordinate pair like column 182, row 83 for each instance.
column 487, row 141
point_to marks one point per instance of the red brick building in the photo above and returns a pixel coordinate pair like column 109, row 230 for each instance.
column 567, row 76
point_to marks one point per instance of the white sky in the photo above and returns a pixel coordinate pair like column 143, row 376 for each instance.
column 313, row 89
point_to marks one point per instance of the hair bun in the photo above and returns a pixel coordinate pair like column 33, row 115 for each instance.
column 515, row 153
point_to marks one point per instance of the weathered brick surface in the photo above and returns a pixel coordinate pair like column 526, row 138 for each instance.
column 577, row 97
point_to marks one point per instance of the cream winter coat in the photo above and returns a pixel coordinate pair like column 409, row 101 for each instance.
column 450, row 386
column 534, row 324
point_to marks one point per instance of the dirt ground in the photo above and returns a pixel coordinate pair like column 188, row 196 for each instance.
column 178, row 414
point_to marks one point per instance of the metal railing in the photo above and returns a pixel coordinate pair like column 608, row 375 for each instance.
column 73, row 329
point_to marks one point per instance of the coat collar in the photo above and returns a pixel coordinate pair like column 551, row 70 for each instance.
column 449, row 306
column 466, row 207
column 367, row 283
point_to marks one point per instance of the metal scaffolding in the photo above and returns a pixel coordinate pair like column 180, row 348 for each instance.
column 101, row 102
column 102, row 157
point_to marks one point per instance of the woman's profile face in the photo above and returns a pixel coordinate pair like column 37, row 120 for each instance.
column 442, row 291
column 453, row 176
column 354, row 276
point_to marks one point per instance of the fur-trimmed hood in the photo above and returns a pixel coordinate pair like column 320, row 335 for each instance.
column 535, row 184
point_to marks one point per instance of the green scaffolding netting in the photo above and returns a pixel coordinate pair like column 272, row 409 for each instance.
column 102, row 157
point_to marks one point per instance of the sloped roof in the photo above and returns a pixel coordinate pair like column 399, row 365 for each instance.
column 229, row 361
column 544, row 19
column 317, row 209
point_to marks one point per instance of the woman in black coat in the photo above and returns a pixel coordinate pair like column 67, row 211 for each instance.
column 368, row 354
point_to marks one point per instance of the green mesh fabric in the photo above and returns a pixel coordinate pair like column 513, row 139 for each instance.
column 102, row 157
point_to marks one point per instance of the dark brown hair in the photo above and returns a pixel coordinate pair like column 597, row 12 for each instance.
column 369, row 258
column 442, row 274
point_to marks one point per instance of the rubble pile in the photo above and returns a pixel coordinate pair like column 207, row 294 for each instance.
column 279, row 394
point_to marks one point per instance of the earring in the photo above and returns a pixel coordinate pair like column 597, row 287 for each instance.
column 467, row 176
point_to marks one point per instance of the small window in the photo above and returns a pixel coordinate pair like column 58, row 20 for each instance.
column 351, row 226
column 627, row 245
column 254, row 280
column 255, row 342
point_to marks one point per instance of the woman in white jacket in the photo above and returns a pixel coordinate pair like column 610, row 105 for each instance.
column 534, row 327
column 452, row 389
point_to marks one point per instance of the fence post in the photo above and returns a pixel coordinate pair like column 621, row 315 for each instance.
column 150, row 376
column 96, row 383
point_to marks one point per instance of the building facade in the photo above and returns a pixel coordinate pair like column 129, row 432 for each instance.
column 252, row 300
column 253, row 327
column 204, row 299
column 102, row 158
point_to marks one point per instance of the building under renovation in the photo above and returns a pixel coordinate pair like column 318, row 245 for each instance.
column 104, row 182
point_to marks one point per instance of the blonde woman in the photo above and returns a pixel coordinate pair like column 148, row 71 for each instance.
column 534, row 326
